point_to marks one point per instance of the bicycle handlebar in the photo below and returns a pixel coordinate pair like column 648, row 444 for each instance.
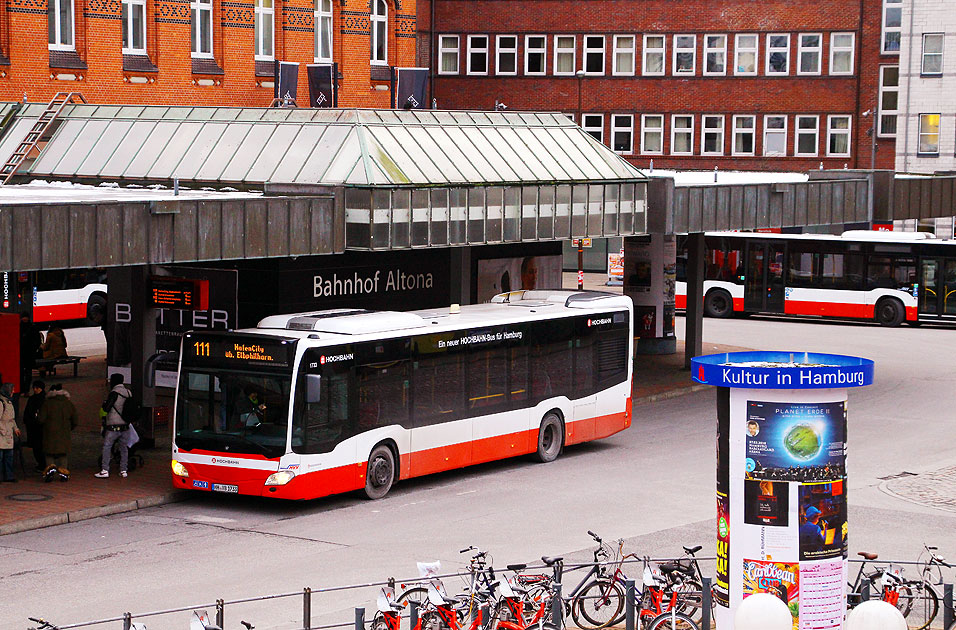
column 467, row 549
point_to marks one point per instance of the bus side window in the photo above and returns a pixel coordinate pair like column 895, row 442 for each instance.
column 551, row 359
column 382, row 394
column 319, row 426
column 438, row 381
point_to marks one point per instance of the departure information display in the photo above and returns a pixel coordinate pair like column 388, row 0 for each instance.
column 179, row 293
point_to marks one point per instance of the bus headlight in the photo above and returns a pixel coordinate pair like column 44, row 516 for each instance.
column 179, row 470
column 280, row 478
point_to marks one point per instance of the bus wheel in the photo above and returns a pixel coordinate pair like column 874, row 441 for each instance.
column 380, row 473
column 718, row 303
column 96, row 309
column 550, row 438
column 889, row 312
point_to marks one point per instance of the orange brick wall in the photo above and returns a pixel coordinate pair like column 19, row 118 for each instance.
column 98, row 39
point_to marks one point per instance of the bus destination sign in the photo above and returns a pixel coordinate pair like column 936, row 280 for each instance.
column 235, row 352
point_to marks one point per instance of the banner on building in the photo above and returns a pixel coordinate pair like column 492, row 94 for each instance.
column 323, row 88
column 286, row 80
column 411, row 86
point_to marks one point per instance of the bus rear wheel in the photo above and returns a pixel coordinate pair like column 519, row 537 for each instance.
column 718, row 303
column 550, row 438
column 380, row 473
column 96, row 309
column 889, row 312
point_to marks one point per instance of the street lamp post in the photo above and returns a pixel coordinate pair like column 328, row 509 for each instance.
column 580, row 75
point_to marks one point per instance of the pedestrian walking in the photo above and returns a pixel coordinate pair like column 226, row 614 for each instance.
column 58, row 418
column 8, row 431
column 115, row 428
column 31, row 420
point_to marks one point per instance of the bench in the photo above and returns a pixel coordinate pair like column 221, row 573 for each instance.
column 48, row 366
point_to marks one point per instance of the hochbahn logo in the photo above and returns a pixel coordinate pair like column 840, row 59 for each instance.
column 599, row 322
column 336, row 358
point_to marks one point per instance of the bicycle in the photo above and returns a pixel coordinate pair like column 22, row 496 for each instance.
column 651, row 609
column 200, row 621
column 480, row 586
column 889, row 585
column 388, row 616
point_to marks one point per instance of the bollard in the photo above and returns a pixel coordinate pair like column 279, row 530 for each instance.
column 763, row 611
column 875, row 615
column 412, row 614
column 949, row 615
column 865, row 592
column 557, row 608
column 221, row 613
column 127, row 621
column 359, row 619
column 706, row 602
column 629, row 604
column 307, row 608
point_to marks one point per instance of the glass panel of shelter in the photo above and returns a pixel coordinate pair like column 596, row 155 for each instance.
column 421, row 213
column 94, row 162
column 200, row 150
column 438, row 217
column 512, row 213
column 227, row 145
column 358, row 211
column 546, row 212
column 425, row 164
column 477, row 215
column 401, row 218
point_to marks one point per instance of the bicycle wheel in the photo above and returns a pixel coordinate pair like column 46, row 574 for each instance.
column 379, row 623
column 598, row 605
column 672, row 621
column 431, row 620
column 690, row 597
column 922, row 604
column 417, row 594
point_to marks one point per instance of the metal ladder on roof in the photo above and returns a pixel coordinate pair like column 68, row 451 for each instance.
column 37, row 131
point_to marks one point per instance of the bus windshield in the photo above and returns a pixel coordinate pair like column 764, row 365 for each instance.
column 236, row 412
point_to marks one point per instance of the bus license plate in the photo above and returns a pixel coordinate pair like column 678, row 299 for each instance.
column 221, row 487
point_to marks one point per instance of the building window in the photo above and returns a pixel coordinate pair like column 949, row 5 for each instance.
column 564, row 48
column 892, row 26
column 932, row 54
column 323, row 30
column 743, row 135
column 715, row 54
column 838, row 136
column 134, row 27
column 685, row 54
column 448, row 54
column 535, row 49
column 841, row 53
column 652, row 134
column 378, row 32
column 594, row 54
column 745, row 55
column 808, row 132
column 60, row 24
column 682, row 135
column 477, row 54
column 265, row 29
column 507, row 54
column 200, row 13
column 653, row 54
column 774, row 136
column 593, row 124
column 809, row 52
column 623, row 64
column 622, row 133
column 889, row 99
column 713, row 130
column 928, row 134
column 778, row 54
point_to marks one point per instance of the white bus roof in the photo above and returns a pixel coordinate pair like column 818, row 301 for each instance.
column 517, row 306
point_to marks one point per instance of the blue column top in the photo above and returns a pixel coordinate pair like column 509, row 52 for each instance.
column 782, row 370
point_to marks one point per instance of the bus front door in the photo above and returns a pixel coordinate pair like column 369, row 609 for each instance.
column 764, row 290
column 937, row 287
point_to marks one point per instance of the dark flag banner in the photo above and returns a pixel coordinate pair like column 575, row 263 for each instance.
column 322, row 88
column 286, row 79
column 410, row 88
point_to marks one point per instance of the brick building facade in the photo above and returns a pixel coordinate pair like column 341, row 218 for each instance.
column 204, row 52
column 736, row 85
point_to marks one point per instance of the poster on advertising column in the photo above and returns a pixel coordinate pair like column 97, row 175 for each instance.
column 795, row 441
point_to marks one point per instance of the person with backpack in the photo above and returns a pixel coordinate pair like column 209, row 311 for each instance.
column 116, row 426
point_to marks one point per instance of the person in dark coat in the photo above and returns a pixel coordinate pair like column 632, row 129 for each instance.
column 58, row 417
column 30, row 342
column 30, row 420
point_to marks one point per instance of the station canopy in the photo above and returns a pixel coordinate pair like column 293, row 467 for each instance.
column 523, row 175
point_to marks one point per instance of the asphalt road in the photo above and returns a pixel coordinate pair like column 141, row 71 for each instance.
column 652, row 485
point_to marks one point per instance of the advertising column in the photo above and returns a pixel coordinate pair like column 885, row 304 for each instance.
column 781, row 480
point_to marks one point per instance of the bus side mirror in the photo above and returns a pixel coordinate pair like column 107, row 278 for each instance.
column 313, row 388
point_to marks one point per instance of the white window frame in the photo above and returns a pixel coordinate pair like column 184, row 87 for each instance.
column 629, row 129
column 719, row 131
column 196, row 10
column 836, row 50
column 564, row 50
column 752, row 130
column 128, row 23
column 501, row 50
column 684, row 49
column 319, row 20
column 589, row 117
column 476, row 49
column 889, row 5
column 543, row 51
column 776, row 131
column 445, row 49
column 378, row 18
column 817, row 50
column 265, row 15
column 832, row 132
column 617, row 49
column 885, row 89
column 655, row 130
column 54, row 11
column 720, row 51
column 806, row 131
column 777, row 49
column 646, row 52
column 593, row 50
column 921, row 133
column 738, row 48
column 924, row 55
column 676, row 131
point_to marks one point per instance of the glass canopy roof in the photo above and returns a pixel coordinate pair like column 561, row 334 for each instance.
column 315, row 146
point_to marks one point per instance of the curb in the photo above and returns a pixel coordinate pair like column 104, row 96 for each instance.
column 91, row 512
column 671, row 393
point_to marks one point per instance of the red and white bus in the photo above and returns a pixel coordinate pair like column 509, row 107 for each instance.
column 70, row 294
column 313, row 404
column 890, row 277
